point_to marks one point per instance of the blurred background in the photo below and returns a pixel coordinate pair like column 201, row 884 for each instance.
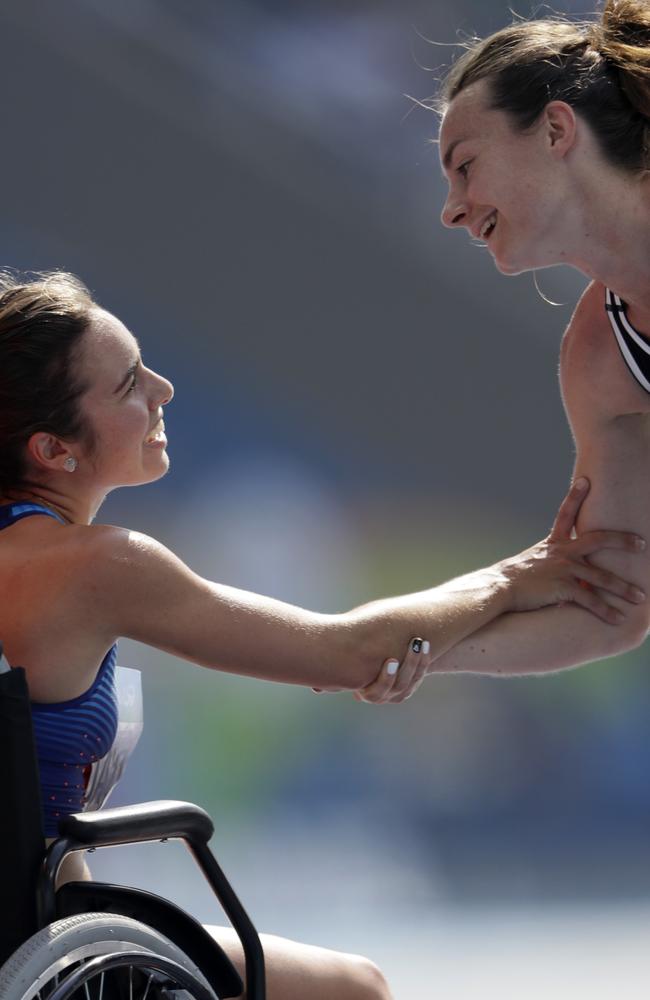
column 363, row 406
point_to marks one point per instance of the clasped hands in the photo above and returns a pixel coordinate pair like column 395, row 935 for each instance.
column 552, row 572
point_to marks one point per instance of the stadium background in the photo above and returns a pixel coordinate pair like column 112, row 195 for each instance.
column 363, row 406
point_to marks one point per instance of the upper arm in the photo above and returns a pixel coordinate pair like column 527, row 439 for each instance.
column 609, row 414
column 150, row 595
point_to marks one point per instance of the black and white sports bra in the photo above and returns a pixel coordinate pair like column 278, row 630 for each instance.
column 634, row 348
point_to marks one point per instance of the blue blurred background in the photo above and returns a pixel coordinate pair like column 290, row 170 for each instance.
column 363, row 406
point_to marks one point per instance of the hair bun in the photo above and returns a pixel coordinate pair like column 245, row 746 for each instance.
column 627, row 22
column 623, row 37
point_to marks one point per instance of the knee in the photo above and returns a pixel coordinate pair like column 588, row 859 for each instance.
column 368, row 979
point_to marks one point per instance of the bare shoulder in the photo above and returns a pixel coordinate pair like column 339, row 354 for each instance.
column 122, row 558
column 596, row 382
column 581, row 358
column 147, row 592
column 589, row 324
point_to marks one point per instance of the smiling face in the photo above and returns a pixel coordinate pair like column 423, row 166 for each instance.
column 123, row 405
column 505, row 187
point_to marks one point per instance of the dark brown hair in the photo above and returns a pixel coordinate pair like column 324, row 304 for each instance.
column 601, row 68
column 41, row 324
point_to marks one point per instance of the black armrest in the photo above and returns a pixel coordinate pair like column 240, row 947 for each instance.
column 134, row 824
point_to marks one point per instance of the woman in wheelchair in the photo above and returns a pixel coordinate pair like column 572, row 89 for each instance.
column 80, row 415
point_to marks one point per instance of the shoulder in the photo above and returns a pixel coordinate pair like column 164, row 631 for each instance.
column 587, row 342
column 134, row 574
column 116, row 556
column 594, row 376
column 589, row 320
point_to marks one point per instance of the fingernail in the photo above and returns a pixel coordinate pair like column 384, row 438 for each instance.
column 618, row 617
column 426, row 646
column 581, row 484
column 392, row 667
column 639, row 594
column 416, row 645
column 639, row 543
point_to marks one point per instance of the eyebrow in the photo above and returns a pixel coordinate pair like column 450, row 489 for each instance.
column 129, row 375
column 446, row 161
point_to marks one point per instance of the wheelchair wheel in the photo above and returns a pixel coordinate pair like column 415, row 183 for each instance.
column 42, row 964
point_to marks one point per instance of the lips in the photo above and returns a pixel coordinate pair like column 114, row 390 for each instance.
column 157, row 434
column 484, row 231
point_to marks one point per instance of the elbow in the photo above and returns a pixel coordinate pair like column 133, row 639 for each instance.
column 630, row 634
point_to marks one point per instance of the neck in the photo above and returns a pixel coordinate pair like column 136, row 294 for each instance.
column 612, row 243
column 74, row 510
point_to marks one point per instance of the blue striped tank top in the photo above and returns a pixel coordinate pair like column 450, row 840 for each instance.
column 69, row 735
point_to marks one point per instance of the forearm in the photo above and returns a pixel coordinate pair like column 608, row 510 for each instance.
column 538, row 642
column 276, row 641
column 446, row 615
column 271, row 640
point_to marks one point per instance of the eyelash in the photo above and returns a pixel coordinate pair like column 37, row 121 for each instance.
column 462, row 169
column 134, row 382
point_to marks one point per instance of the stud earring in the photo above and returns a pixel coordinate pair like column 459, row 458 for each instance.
column 70, row 463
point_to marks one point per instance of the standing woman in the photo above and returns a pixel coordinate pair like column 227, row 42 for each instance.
column 80, row 415
column 545, row 143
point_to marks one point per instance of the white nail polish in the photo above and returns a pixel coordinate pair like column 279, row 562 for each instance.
column 392, row 667
column 426, row 646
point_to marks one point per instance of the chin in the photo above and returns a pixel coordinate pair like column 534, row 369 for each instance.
column 153, row 475
column 513, row 267
column 164, row 469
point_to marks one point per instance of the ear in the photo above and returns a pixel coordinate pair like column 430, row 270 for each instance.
column 47, row 452
column 560, row 126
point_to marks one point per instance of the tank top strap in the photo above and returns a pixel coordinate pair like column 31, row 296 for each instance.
column 12, row 512
column 634, row 348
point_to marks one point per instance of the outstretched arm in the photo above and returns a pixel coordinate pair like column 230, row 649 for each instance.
column 150, row 595
column 609, row 619
column 537, row 642
column 553, row 638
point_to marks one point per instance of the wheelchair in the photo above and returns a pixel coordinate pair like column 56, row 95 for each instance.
column 93, row 940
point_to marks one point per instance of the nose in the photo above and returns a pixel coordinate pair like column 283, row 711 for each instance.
column 453, row 213
column 163, row 394
column 168, row 392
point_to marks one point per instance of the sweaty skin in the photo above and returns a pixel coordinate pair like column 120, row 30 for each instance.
column 609, row 414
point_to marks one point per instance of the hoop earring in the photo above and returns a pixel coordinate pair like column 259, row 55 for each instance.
column 70, row 463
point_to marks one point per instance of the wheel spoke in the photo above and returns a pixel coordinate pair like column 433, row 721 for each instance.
column 146, row 992
column 100, row 958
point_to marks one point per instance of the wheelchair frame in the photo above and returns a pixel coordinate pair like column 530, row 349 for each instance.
column 145, row 822
column 152, row 821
